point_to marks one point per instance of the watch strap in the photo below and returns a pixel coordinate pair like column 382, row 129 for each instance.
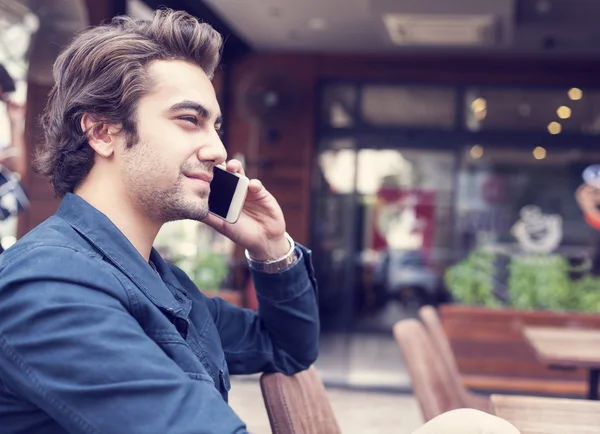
column 278, row 265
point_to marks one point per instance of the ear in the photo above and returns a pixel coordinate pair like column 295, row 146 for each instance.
column 102, row 136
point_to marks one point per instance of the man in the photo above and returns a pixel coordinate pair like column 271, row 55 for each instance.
column 12, row 157
column 97, row 333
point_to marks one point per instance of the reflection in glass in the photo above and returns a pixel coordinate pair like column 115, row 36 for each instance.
column 493, row 190
column 339, row 102
column 409, row 106
column 535, row 110
column 382, row 231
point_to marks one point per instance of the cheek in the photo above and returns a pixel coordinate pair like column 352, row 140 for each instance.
column 157, row 149
column 169, row 148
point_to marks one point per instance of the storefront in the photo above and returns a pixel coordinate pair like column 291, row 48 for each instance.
column 409, row 179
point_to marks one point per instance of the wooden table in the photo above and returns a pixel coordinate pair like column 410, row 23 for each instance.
column 533, row 415
column 561, row 347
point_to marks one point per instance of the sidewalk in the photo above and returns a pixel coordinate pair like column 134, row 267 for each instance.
column 357, row 412
column 367, row 360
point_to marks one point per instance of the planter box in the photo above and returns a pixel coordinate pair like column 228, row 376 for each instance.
column 492, row 354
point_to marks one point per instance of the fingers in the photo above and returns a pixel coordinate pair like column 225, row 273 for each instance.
column 255, row 186
column 215, row 222
column 235, row 166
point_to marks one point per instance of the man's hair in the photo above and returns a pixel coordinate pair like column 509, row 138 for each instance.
column 103, row 72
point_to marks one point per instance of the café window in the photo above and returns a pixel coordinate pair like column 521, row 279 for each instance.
column 409, row 106
column 339, row 104
column 421, row 176
column 544, row 111
column 495, row 185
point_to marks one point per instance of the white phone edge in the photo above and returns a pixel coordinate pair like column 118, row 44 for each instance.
column 237, row 202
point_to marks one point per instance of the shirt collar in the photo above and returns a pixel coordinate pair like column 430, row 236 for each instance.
column 102, row 233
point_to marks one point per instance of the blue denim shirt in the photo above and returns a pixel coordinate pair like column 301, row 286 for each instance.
column 94, row 340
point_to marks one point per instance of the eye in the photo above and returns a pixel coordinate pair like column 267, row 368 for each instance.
column 219, row 130
column 191, row 119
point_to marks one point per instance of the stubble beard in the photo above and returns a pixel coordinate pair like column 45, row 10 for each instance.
column 162, row 203
column 171, row 204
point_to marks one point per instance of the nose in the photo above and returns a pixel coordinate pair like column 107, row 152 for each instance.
column 213, row 150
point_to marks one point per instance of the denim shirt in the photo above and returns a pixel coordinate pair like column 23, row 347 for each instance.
column 94, row 340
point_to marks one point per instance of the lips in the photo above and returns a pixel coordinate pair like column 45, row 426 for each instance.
column 201, row 176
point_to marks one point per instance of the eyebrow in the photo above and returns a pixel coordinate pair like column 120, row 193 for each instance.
column 202, row 111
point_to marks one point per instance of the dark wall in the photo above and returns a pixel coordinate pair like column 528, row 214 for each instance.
column 283, row 147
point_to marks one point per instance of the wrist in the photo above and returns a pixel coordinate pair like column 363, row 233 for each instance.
column 273, row 249
column 274, row 265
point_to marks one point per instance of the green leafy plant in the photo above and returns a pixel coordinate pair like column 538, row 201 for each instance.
column 535, row 281
column 539, row 282
column 588, row 294
column 207, row 270
column 198, row 250
column 471, row 281
column 210, row 271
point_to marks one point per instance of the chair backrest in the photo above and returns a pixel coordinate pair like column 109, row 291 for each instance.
column 298, row 404
column 433, row 325
column 431, row 383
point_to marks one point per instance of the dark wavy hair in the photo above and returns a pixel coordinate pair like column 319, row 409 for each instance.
column 103, row 72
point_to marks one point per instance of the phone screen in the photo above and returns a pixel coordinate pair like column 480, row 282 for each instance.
column 222, row 189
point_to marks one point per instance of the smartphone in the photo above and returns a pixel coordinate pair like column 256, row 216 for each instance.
column 227, row 194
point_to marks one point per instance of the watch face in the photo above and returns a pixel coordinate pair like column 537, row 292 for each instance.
column 591, row 175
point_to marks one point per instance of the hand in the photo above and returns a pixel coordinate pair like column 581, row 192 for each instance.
column 261, row 226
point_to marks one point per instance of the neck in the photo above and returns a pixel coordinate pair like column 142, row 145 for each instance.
column 129, row 219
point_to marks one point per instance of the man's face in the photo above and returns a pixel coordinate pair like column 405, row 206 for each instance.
column 168, row 172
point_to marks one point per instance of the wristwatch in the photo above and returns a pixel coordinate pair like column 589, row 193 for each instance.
column 273, row 266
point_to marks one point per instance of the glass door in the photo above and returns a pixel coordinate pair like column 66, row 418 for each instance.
column 382, row 231
column 405, row 198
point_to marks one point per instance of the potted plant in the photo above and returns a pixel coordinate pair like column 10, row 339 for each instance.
column 203, row 254
column 497, row 295
column 534, row 282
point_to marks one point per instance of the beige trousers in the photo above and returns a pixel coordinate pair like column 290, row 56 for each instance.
column 467, row 421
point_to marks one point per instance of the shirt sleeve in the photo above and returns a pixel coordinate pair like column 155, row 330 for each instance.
column 69, row 345
column 284, row 335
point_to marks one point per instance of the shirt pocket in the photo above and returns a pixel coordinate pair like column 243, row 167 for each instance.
column 180, row 352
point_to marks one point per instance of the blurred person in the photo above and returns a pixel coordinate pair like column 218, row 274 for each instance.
column 588, row 199
column 98, row 334
column 13, row 198
column 13, row 156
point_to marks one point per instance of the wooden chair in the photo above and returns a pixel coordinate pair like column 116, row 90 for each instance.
column 433, row 388
column 433, row 325
column 298, row 404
